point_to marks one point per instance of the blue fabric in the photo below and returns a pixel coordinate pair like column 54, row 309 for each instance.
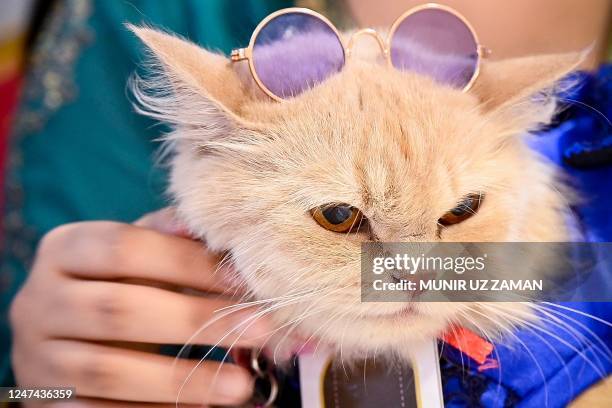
column 551, row 367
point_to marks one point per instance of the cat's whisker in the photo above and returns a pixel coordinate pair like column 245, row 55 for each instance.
column 510, row 330
column 248, row 322
column 291, row 300
column 454, row 330
column 351, row 228
column 558, row 355
column 569, row 309
column 316, row 331
column 229, row 349
column 187, row 344
column 473, row 322
column 224, row 313
column 579, row 337
column 586, row 105
column 225, row 357
column 293, row 323
column 302, row 318
column 571, row 332
column 531, row 355
column 526, row 323
column 365, row 364
column 261, row 301
column 333, row 318
column 342, row 351
column 556, row 316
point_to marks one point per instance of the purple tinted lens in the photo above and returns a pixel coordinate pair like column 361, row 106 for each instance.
column 436, row 43
column 295, row 51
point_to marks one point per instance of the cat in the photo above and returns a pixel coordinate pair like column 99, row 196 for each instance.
column 248, row 173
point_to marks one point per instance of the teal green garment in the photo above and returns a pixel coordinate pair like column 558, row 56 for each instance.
column 78, row 150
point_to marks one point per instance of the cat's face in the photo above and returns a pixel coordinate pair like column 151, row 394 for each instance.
column 248, row 172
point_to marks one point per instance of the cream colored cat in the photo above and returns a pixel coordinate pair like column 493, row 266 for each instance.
column 247, row 173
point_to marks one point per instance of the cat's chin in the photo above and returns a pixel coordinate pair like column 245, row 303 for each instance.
column 384, row 334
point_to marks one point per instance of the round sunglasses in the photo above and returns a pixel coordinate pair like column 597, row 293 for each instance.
column 294, row 49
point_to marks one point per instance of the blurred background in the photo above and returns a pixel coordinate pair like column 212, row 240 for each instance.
column 15, row 19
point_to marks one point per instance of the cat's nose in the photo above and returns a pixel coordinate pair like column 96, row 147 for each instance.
column 397, row 276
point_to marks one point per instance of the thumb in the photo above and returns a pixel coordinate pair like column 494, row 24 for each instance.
column 163, row 221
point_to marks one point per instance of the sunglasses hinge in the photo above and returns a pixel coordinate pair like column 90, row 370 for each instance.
column 238, row 54
column 484, row 51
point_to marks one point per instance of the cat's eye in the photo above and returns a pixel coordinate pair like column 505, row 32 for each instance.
column 338, row 217
column 466, row 208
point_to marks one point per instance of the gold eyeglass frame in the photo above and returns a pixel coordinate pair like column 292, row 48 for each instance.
column 242, row 54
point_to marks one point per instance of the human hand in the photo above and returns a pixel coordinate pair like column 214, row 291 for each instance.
column 85, row 306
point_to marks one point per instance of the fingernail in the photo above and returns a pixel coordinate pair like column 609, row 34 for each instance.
column 236, row 385
column 164, row 221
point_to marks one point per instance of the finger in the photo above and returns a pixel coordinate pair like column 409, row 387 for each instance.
column 109, row 250
column 99, row 371
column 98, row 403
column 163, row 221
column 100, row 310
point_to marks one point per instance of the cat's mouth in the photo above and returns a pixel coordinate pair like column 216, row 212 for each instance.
column 408, row 311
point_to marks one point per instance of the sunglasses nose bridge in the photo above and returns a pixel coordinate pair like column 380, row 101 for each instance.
column 372, row 33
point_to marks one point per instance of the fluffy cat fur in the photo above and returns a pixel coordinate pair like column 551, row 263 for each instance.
column 246, row 171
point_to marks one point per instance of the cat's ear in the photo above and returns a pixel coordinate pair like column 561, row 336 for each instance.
column 188, row 69
column 511, row 82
